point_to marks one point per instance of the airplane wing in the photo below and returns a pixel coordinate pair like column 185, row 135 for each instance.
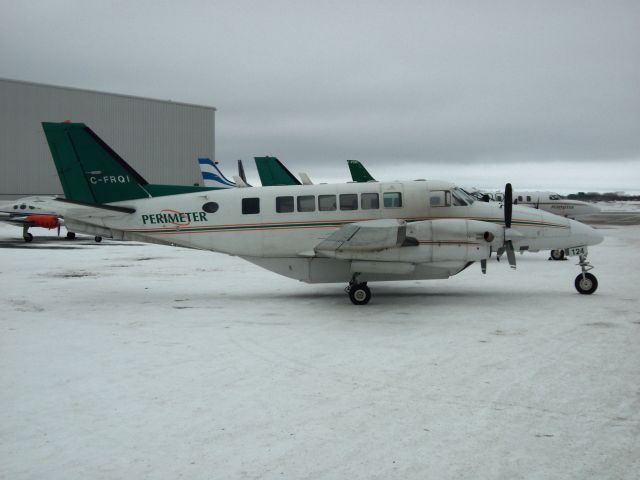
column 20, row 221
column 368, row 236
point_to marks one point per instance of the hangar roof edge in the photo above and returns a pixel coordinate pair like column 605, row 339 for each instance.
column 100, row 92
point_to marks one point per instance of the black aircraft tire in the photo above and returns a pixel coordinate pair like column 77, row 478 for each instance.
column 27, row 237
column 586, row 285
column 359, row 294
column 97, row 238
column 71, row 235
column 557, row 254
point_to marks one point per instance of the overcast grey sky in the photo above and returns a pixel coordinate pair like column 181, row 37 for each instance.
column 545, row 94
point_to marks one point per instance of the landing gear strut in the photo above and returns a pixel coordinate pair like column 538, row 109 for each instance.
column 586, row 283
column 26, row 235
column 359, row 293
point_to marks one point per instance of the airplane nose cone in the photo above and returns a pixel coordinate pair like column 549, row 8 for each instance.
column 593, row 209
column 586, row 234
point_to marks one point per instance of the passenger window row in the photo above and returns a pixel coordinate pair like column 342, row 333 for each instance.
column 326, row 203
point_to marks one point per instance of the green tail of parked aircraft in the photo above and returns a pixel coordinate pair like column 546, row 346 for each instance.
column 273, row 173
column 92, row 172
column 359, row 173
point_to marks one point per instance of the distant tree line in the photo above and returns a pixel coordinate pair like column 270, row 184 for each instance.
column 602, row 197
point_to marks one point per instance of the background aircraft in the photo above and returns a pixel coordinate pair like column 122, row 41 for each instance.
column 212, row 176
column 26, row 213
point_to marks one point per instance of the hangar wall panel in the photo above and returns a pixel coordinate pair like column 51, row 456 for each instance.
column 162, row 140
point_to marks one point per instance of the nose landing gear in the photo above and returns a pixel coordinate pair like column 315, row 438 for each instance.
column 585, row 283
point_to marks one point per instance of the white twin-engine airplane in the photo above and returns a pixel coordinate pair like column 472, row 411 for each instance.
column 551, row 202
column 354, row 233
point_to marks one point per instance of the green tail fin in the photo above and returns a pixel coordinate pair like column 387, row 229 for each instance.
column 89, row 170
column 272, row 172
column 359, row 173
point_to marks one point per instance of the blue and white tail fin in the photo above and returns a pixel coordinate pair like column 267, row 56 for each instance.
column 212, row 176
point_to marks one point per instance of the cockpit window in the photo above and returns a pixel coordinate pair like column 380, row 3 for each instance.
column 554, row 197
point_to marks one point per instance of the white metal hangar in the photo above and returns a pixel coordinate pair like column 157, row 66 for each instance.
column 162, row 140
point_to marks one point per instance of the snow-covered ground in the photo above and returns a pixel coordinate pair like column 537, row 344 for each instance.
column 142, row 361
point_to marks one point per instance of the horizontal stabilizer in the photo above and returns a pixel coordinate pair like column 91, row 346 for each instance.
column 74, row 209
column 111, row 208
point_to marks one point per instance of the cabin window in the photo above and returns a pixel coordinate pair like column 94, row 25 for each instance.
column 349, row 201
column 306, row 203
column 528, row 198
column 326, row 203
column 210, row 207
column 250, row 206
column 440, row 198
column 392, row 199
column 369, row 201
column 499, row 198
column 284, row 204
column 519, row 198
column 23, row 206
column 15, row 207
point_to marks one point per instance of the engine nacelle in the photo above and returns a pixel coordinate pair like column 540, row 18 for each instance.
column 454, row 239
column 431, row 241
column 43, row 221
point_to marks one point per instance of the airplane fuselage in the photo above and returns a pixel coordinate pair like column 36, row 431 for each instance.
column 279, row 227
column 553, row 203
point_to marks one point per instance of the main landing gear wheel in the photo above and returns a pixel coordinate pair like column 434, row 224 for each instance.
column 557, row 254
column 359, row 294
column 586, row 283
column 71, row 235
column 27, row 237
column 97, row 238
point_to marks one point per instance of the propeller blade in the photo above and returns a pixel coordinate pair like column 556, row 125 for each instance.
column 483, row 265
column 58, row 228
column 511, row 256
column 508, row 205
